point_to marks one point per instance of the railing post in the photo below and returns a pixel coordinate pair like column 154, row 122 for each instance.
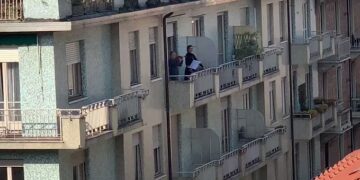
column 216, row 82
column 240, row 77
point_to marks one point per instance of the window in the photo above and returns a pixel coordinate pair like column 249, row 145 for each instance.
column 201, row 116
column 171, row 31
column 306, row 20
column 79, row 172
column 11, row 170
column 245, row 16
column 225, row 140
column 198, row 26
column 134, row 57
column 157, row 150
column 137, row 141
column 270, row 24
column 282, row 20
column 337, row 18
column 284, row 95
column 74, row 56
column 339, row 83
column 272, row 100
column 246, row 99
column 322, row 17
column 222, row 27
column 297, row 161
column 153, row 44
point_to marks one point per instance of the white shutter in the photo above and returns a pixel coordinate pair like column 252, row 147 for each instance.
column 136, row 139
column 9, row 55
column 152, row 35
column 170, row 30
column 156, row 136
column 132, row 40
column 72, row 52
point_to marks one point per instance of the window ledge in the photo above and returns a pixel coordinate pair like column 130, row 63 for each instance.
column 78, row 100
column 156, row 79
column 135, row 85
column 160, row 176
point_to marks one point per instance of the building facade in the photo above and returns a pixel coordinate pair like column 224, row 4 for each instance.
column 83, row 89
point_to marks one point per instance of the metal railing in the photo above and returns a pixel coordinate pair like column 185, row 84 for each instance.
column 11, row 10
column 228, row 75
column 356, row 105
column 34, row 124
column 250, row 68
column 84, row 7
column 355, row 42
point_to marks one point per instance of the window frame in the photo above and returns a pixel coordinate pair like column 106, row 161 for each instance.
column 198, row 26
column 134, row 52
column 270, row 23
column 9, row 165
column 154, row 52
column 75, row 68
column 272, row 101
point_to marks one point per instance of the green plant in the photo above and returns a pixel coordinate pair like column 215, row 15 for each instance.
column 131, row 5
column 246, row 44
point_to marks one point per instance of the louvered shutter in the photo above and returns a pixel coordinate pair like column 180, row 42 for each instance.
column 9, row 55
column 156, row 136
column 72, row 53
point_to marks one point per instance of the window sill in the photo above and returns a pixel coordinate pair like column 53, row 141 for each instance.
column 135, row 86
column 156, row 79
column 73, row 101
column 160, row 176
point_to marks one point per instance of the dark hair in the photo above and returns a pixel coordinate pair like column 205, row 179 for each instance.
column 188, row 47
column 171, row 52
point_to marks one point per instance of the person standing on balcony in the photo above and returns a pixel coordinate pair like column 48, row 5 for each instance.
column 175, row 62
column 189, row 58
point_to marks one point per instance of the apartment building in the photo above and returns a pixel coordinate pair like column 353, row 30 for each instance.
column 323, row 70
column 83, row 90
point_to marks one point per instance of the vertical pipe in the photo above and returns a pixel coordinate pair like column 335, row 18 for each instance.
column 167, row 103
column 291, row 93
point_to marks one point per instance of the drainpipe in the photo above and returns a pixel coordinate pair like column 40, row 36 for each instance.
column 291, row 93
column 352, row 138
column 167, row 103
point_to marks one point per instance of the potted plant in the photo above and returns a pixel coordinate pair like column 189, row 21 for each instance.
column 312, row 113
column 246, row 45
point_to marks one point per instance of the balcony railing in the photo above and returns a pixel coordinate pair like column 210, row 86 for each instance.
column 270, row 60
column 11, row 10
column 242, row 159
column 310, row 124
column 355, row 42
column 250, row 68
column 228, row 75
column 85, row 7
column 204, row 83
column 34, row 124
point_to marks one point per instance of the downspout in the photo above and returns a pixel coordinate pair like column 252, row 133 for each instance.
column 291, row 93
column 352, row 138
column 167, row 102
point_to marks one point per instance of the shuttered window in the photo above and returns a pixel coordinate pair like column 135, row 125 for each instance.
column 137, row 156
column 74, row 69
column 153, row 45
column 134, row 57
column 157, row 150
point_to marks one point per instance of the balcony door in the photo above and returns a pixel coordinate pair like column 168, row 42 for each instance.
column 9, row 98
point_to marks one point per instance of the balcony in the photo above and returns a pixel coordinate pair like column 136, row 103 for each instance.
column 250, row 69
column 271, row 59
column 11, row 10
column 88, row 7
column 114, row 116
column 356, row 110
column 314, row 122
column 343, row 122
column 342, row 51
column 41, row 129
column 69, row 128
column 355, row 43
column 243, row 160
column 315, row 48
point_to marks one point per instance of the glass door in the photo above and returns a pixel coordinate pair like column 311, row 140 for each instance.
column 10, row 121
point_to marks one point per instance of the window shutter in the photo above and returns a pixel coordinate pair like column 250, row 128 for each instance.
column 72, row 52
column 136, row 139
column 132, row 40
column 9, row 55
column 156, row 136
column 152, row 35
column 170, row 29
